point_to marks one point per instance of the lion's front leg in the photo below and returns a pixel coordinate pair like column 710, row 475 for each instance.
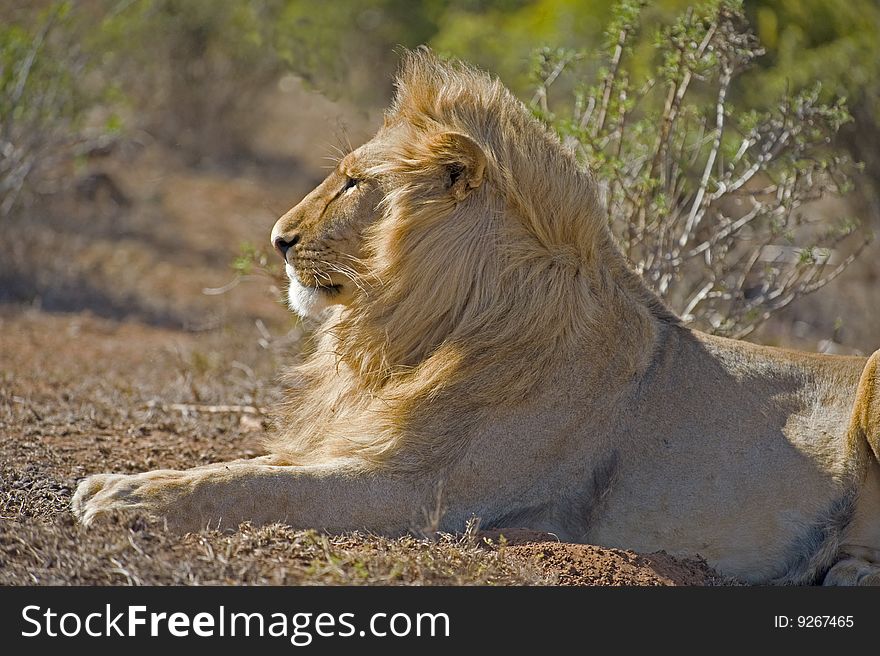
column 336, row 497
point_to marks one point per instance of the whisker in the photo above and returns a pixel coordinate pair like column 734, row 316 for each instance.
column 363, row 265
column 342, row 136
column 338, row 153
column 349, row 273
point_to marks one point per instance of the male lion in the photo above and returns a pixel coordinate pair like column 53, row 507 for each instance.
column 481, row 333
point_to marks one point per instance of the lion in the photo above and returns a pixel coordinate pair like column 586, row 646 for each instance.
column 481, row 337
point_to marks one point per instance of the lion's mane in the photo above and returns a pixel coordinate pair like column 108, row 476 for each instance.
column 464, row 306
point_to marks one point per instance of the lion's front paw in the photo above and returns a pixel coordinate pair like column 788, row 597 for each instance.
column 84, row 505
column 149, row 492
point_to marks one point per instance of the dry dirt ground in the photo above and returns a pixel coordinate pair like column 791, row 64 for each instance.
column 110, row 351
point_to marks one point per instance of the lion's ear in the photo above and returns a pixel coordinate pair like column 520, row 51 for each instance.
column 463, row 161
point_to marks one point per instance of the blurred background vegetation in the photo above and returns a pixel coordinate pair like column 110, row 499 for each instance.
column 102, row 102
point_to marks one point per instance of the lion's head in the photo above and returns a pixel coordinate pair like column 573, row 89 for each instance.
column 465, row 252
column 328, row 238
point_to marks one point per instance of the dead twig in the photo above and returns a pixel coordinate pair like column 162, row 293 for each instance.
column 187, row 408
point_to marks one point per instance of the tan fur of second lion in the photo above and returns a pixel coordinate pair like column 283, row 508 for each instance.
column 484, row 332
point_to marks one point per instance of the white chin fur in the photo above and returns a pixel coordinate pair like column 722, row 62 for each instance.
column 306, row 301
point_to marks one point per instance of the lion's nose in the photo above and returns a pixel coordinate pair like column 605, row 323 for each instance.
column 283, row 245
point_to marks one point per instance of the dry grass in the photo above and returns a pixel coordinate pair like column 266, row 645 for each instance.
column 132, row 551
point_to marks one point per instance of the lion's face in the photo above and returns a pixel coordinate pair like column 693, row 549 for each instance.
column 321, row 238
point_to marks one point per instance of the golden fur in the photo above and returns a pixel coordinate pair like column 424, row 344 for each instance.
column 441, row 325
column 480, row 332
